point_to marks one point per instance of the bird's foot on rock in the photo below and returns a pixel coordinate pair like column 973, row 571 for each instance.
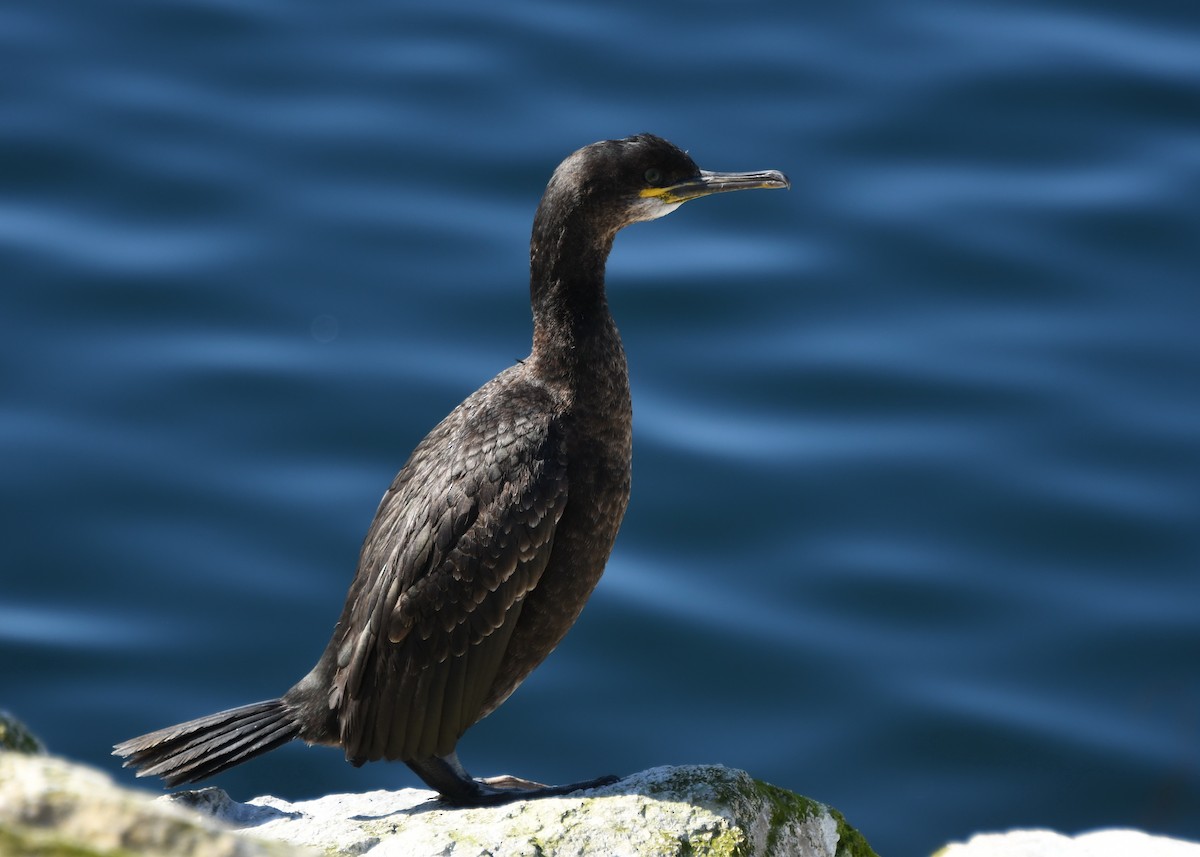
column 508, row 781
column 494, row 791
column 456, row 787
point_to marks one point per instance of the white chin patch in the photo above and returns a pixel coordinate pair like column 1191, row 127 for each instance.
column 652, row 208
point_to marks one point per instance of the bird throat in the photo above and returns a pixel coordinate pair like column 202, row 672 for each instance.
column 571, row 321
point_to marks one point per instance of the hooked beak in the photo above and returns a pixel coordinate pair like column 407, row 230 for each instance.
column 707, row 183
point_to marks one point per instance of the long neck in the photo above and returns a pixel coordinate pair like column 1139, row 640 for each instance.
column 573, row 332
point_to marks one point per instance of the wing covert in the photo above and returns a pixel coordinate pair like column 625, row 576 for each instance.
column 449, row 558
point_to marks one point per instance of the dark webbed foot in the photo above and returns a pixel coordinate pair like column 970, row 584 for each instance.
column 506, row 789
column 456, row 787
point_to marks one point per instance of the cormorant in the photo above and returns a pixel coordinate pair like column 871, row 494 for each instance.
column 491, row 538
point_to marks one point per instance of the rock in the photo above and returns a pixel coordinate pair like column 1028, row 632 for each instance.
column 49, row 807
column 16, row 738
column 662, row 812
column 1046, row 843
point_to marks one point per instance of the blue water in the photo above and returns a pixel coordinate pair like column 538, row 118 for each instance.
column 916, row 516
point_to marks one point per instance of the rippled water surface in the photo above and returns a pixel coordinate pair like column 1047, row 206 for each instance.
column 917, row 448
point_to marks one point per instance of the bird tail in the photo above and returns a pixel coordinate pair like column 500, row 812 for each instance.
column 200, row 748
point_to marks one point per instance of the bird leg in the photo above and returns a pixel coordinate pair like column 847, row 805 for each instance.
column 447, row 776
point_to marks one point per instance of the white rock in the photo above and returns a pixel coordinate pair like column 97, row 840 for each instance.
column 1046, row 843
column 51, row 806
column 659, row 813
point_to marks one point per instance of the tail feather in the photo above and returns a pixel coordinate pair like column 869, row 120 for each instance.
column 193, row 751
column 221, row 740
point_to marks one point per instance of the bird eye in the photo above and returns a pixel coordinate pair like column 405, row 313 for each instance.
column 653, row 176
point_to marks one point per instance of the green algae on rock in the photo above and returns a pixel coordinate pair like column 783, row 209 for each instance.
column 16, row 738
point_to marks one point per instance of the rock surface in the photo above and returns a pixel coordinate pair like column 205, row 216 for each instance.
column 663, row 812
column 1046, row 843
column 52, row 808
column 49, row 806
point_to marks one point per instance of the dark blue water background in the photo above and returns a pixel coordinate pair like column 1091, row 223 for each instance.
column 916, row 516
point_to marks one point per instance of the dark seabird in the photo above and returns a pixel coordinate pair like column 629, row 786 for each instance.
column 488, row 543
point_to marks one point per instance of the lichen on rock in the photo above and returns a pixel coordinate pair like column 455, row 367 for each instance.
column 15, row 738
